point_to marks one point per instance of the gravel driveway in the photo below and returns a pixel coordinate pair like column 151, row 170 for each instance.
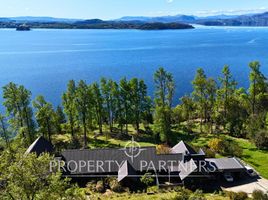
column 248, row 185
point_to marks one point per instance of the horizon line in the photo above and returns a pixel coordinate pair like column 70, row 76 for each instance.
column 149, row 16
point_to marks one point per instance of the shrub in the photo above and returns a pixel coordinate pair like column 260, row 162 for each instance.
column 209, row 153
column 241, row 196
column 232, row 149
column 197, row 195
column 259, row 195
column 216, row 145
column 261, row 139
column 100, row 187
column 185, row 194
column 237, row 196
column 91, row 187
column 153, row 189
column 163, row 149
column 116, row 186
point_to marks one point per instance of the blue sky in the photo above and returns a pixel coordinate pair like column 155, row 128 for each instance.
column 111, row 9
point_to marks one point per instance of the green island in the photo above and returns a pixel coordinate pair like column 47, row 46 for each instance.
column 98, row 24
column 218, row 116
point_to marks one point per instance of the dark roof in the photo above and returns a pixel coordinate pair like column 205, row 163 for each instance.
column 184, row 168
column 40, row 145
column 118, row 157
column 183, row 148
column 227, row 163
column 125, row 170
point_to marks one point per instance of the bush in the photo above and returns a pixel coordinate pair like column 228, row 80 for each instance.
column 261, row 139
column 100, row 187
column 209, row 153
column 259, row 195
column 116, row 186
column 242, row 196
column 147, row 179
column 237, row 196
column 163, row 149
column 197, row 195
column 216, row 145
column 91, row 187
column 232, row 149
column 153, row 189
column 185, row 194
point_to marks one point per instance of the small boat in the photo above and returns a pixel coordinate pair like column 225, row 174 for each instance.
column 23, row 27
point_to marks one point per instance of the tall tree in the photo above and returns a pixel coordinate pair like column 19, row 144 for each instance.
column 83, row 103
column 17, row 103
column 125, row 97
column 199, row 94
column 119, row 106
column 140, row 102
column 188, row 107
column 258, row 87
column 45, row 116
column 211, row 89
column 165, row 86
column 69, row 104
column 98, row 105
column 3, row 130
column 107, row 87
column 225, row 94
column 59, row 119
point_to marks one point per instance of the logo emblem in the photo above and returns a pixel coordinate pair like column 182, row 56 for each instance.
column 132, row 149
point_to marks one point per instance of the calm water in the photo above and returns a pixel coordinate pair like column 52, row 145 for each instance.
column 44, row 60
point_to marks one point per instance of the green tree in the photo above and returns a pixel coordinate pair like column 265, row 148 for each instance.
column 98, row 105
column 199, row 94
column 165, row 86
column 83, row 104
column 140, row 102
column 45, row 116
column 147, row 179
column 225, row 96
column 4, row 134
column 258, row 88
column 59, row 119
column 17, row 103
column 109, row 101
column 125, row 99
column 27, row 177
column 211, row 89
column 119, row 106
column 69, row 104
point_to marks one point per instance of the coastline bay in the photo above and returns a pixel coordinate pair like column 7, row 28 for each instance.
column 44, row 60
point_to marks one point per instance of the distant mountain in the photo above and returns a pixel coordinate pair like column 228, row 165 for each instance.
column 217, row 20
column 38, row 19
column 213, row 17
column 243, row 20
column 139, row 22
column 164, row 19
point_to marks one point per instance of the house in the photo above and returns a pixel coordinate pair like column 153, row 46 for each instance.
column 182, row 165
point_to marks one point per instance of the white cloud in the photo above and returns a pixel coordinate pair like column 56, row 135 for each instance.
column 169, row 1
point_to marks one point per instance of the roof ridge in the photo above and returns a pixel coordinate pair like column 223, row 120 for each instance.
column 96, row 149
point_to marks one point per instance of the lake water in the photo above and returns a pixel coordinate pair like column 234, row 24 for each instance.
column 44, row 60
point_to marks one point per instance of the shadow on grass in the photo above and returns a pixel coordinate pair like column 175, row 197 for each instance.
column 97, row 143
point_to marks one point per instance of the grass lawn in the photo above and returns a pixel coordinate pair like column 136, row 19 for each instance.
column 258, row 159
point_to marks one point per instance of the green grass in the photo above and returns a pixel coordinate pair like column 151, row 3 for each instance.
column 143, row 196
column 258, row 159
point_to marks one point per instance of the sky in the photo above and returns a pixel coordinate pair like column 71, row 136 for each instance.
column 113, row 9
